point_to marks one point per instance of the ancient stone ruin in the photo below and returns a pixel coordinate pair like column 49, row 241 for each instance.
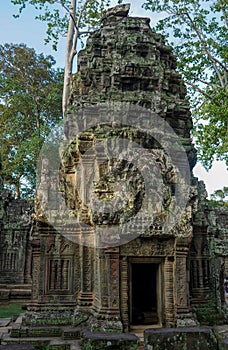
column 160, row 275
column 15, row 248
column 109, row 270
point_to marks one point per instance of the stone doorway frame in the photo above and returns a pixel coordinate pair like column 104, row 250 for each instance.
column 126, row 278
column 157, row 265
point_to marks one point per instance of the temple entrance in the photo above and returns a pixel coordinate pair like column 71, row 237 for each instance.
column 143, row 293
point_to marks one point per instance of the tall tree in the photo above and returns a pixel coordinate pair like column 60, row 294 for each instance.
column 199, row 31
column 219, row 198
column 30, row 105
column 70, row 18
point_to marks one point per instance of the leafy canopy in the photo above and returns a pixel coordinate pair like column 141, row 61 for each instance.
column 56, row 15
column 198, row 30
column 30, row 105
column 219, row 198
column 72, row 18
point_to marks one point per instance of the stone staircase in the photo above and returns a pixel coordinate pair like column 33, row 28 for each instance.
column 15, row 292
column 64, row 338
column 42, row 342
column 55, row 338
column 16, row 336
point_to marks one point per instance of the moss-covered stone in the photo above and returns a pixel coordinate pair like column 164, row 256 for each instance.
column 180, row 339
column 106, row 341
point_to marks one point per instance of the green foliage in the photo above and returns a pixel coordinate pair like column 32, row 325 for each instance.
column 198, row 32
column 211, row 129
column 10, row 310
column 56, row 15
column 219, row 198
column 30, row 105
column 209, row 315
column 72, row 18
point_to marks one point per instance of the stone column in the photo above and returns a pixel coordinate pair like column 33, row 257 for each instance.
column 86, row 295
column 182, row 250
column 110, row 290
column 199, row 268
column 28, row 261
column 109, row 307
column 35, row 269
column 169, row 293
column 124, row 293
column 113, row 275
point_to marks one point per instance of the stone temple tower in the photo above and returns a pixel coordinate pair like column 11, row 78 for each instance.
column 112, row 269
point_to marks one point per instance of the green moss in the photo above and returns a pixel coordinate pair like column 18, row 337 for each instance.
column 88, row 346
column 209, row 315
column 49, row 322
column 10, row 310
column 105, row 345
column 78, row 320
column 108, row 330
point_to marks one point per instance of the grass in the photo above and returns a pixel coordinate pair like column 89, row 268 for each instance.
column 11, row 309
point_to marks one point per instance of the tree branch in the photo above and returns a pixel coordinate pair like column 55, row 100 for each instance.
column 69, row 11
column 219, row 75
column 85, row 32
column 196, row 87
column 225, row 17
column 202, row 40
column 69, row 60
column 213, row 86
column 76, row 32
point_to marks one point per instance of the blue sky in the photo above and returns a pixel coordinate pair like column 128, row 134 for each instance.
column 31, row 32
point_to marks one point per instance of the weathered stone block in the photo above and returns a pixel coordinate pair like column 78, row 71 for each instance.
column 15, row 229
column 197, row 338
column 17, row 347
column 4, row 294
column 4, row 322
column 44, row 331
column 223, row 344
column 16, row 331
column 114, row 341
column 72, row 333
column 58, row 344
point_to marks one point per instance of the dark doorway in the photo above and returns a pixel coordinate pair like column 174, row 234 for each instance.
column 144, row 293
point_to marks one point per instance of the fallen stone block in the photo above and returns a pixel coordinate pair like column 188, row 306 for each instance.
column 223, row 344
column 17, row 347
column 109, row 341
column 196, row 338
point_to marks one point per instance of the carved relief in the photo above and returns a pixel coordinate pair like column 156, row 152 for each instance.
column 151, row 247
column 59, row 265
column 135, row 69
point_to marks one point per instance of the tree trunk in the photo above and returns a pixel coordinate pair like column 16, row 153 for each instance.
column 69, row 56
column 17, row 190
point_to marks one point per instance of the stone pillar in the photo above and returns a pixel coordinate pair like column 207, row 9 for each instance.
column 108, row 307
column 113, row 275
column 35, row 269
column 124, row 293
column 182, row 250
column 199, row 268
column 86, row 295
column 110, row 290
column 169, row 293
column 28, row 259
